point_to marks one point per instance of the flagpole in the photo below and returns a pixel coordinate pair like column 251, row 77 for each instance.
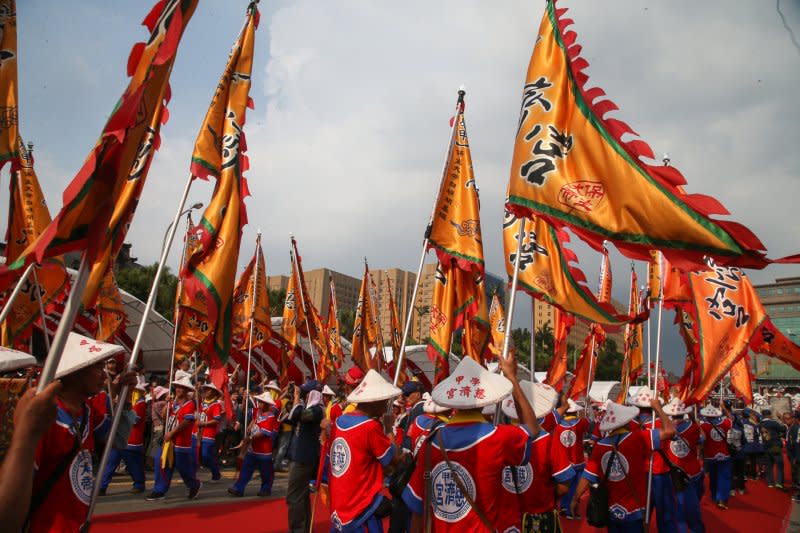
column 426, row 241
column 148, row 307
column 512, row 300
column 377, row 313
column 41, row 311
column 655, row 384
column 252, row 323
column 649, row 344
column 603, row 273
column 13, row 296
column 533, row 340
column 301, row 282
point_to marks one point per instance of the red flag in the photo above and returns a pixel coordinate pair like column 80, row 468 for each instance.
column 558, row 364
column 584, row 375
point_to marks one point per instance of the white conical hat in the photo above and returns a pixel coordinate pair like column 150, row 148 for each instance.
column 373, row 388
column 676, row 407
column 273, row 385
column 141, row 384
column 541, row 397
column 80, row 352
column 642, row 398
column 710, row 411
column 617, row 416
column 574, row 407
column 470, row 386
column 431, row 407
column 327, row 390
column 11, row 360
column 265, row 397
column 490, row 409
column 211, row 386
column 183, row 381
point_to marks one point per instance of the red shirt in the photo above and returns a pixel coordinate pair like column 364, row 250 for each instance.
column 626, row 497
column 478, row 451
column 136, row 438
column 65, row 507
column 211, row 411
column 265, row 425
column 682, row 449
column 177, row 414
column 535, row 489
column 359, row 451
column 716, row 438
column 567, row 447
column 420, row 427
column 548, row 422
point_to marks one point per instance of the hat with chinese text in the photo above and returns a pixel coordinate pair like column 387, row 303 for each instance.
column 676, row 407
column 159, row 392
column 641, row 398
column 141, row 384
column 373, row 388
column 432, row 407
column 81, row 352
column 710, row 411
column 470, row 386
column 617, row 415
column 541, row 397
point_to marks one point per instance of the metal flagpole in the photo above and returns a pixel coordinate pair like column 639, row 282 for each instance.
column 655, row 385
column 649, row 344
column 13, row 296
column 377, row 313
column 533, row 340
column 603, row 273
column 425, row 241
column 512, row 300
column 252, row 324
column 41, row 311
column 148, row 307
column 303, row 303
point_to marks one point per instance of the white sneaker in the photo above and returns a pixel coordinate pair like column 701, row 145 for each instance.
column 733, row 492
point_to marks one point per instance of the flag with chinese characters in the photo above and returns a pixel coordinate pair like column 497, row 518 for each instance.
column 654, row 277
column 248, row 310
column 497, row 322
column 690, row 376
column 395, row 333
column 334, row 336
column 586, row 367
column 633, row 355
column 571, row 165
column 313, row 327
column 111, row 315
column 772, row 342
column 676, row 285
column 293, row 316
column 28, row 216
column 727, row 314
column 477, row 328
column 456, row 228
column 99, row 202
column 209, row 275
column 367, row 349
column 605, row 282
column 557, row 370
column 9, row 113
column 742, row 379
column 546, row 271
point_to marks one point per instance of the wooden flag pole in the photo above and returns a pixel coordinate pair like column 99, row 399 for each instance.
column 300, row 282
column 80, row 285
column 407, row 329
column 252, row 324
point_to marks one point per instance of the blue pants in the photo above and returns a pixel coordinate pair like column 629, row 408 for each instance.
column 573, row 485
column 134, row 460
column 666, row 504
column 632, row 526
column 208, row 457
column 719, row 479
column 185, row 462
column 250, row 463
column 689, row 504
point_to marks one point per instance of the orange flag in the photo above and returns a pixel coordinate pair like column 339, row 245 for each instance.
column 728, row 314
column 633, row 356
column 210, row 272
column 546, row 272
column 111, row 315
column 558, row 364
column 334, row 338
column 676, row 285
column 9, row 113
column 477, row 327
column 293, row 317
column 742, row 379
column 771, row 341
column 314, row 326
column 586, row 367
column 395, row 333
column 367, row 350
column 28, row 216
column 251, row 304
column 100, row 201
column 497, row 330
column 571, row 165
column 604, row 291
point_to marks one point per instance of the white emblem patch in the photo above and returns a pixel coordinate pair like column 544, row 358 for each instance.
column 618, row 470
column 716, row 435
column 80, row 476
column 340, row 457
column 524, row 478
column 449, row 504
column 568, row 438
column 679, row 448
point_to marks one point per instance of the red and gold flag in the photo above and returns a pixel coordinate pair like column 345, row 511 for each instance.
column 676, row 285
column 571, row 165
column 654, row 278
column 28, row 216
column 313, row 328
column 605, row 283
column 100, row 201
column 335, row 351
column 395, row 333
column 772, row 342
column 633, row 355
column 586, row 366
column 9, row 114
column 477, row 327
column 727, row 315
column 111, row 316
column 210, row 272
column 557, row 370
column 251, row 304
column 742, row 379
column 497, row 330
column 367, row 350
column 293, row 316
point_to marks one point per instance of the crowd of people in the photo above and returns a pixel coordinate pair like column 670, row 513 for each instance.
column 482, row 451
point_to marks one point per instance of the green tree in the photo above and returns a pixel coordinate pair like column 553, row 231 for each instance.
column 609, row 362
column 277, row 297
column 138, row 280
column 347, row 319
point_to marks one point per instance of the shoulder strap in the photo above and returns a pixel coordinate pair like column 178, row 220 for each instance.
column 460, row 485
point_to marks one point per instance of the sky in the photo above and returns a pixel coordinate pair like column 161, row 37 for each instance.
column 353, row 99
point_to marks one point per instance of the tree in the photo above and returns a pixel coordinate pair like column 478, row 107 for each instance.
column 277, row 298
column 609, row 362
column 138, row 280
column 347, row 319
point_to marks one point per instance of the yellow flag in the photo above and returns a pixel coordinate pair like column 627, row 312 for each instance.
column 367, row 351
column 293, row 316
column 334, row 335
column 9, row 115
column 497, row 320
column 633, row 355
column 251, row 304
column 110, row 311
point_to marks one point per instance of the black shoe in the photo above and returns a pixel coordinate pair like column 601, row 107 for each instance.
column 136, row 490
column 234, row 492
column 101, row 492
column 193, row 492
column 264, row 494
column 153, row 496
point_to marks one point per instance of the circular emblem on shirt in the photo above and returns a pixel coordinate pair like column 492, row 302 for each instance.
column 80, row 476
column 679, row 448
column 524, row 478
column 716, row 435
column 617, row 511
column 618, row 470
column 568, row 438
column 340, row 457
column 449, row 504
column 203, row 417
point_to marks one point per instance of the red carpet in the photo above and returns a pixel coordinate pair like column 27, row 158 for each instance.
column 761, row 509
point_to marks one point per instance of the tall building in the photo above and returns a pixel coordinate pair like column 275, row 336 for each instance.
column 318, row 284
column 402, row 283
column 781, row 301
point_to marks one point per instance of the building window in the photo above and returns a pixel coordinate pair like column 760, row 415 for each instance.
column 772, row 292
column 780, row 309
column 780, row 292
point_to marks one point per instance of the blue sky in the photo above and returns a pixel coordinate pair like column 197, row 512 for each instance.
column 353, row 100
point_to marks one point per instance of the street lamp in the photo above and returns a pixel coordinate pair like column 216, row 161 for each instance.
column 191, row 208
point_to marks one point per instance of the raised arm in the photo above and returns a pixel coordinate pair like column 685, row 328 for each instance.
column 524, row 409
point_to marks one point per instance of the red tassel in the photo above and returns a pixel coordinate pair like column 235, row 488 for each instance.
column 152, row 17
column 569, row 38
column 169, row 45
column 708, row 205
column 670, row 175
column 250, row 103
column 742, row 234
column 579, row 64
column 244, row 163
column 640, row 148
column 167, row 94
column 134, row 57
column 618, row 128
column 574, row 51
column 603, row 107
column 560, row 12
column 593, row 94
column 164, row 115
column 580, row 78
column 157, row 141
column 563, row 23
column 569, row 255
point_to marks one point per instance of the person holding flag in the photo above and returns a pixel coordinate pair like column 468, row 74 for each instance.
column 210, row 419
column 133, row 454
column 683, row 452
column 717, row 456
column 259, row 441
